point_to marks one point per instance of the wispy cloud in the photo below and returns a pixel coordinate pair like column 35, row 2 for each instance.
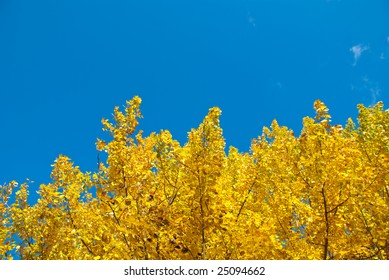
column 387, row 39
column 251, row 20
column 357, row 50
column 367, row 86
column 375, row 93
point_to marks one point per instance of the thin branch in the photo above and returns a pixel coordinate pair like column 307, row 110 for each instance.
column 118, row 222
column 245, row 199
column 75, row 227
column 325, row 251
column 337, row 206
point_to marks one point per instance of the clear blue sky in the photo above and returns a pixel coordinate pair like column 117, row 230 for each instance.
column 65, row 64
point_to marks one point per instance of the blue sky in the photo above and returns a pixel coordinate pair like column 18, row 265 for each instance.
column 65, row 64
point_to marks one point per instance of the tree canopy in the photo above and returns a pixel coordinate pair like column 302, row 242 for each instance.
column 321, row 195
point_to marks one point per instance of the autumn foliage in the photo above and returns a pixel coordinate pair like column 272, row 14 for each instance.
column 322, row 195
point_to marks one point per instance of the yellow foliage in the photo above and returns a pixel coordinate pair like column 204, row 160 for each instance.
column 321, row 195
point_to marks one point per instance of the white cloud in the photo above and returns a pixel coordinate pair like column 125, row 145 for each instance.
column 368, row 88
column 375, row 93
column 357, row 50
column 387, row 39
column 373, row 89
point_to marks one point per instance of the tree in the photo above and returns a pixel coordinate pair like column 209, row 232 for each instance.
column 321, row 195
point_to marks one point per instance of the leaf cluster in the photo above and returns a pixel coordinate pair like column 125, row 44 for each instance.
column 321, row 195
